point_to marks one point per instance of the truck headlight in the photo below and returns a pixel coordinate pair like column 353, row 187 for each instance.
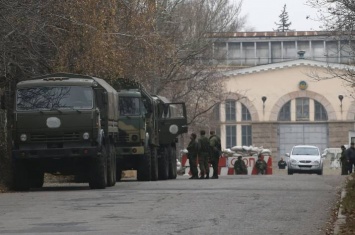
column 173, row 129
column 23, row 137
column 86, row 136
column 134, row 137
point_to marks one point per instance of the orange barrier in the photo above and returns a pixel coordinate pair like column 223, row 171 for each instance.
column 226, row 165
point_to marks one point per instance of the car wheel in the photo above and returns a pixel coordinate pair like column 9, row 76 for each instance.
column 320, row 172
column 290, row 172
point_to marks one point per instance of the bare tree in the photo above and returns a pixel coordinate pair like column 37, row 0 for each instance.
column 338, row 17
column 188, row 74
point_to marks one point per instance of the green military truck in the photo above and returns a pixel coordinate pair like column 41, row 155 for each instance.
column 65, row 124
column 148, row 129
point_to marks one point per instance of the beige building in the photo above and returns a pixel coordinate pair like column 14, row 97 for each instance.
column 282, row 104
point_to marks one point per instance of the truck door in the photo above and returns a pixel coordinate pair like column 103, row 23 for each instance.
column 172, row 122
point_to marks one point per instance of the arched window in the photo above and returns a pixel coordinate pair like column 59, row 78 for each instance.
column 285, row 112
column 245, row 113
column 230, row 110
column 302, row 109
column 320, row 114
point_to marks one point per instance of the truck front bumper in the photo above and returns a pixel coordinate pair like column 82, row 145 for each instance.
column 139, row 150
column 55, row 153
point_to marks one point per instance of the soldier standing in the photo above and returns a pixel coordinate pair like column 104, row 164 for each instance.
column 203, row 153
column 344, row 161
column 239, row 167
column 282, row 164
column 350, row 155
column 260, row 165
column 192, row 156
column 215, row 144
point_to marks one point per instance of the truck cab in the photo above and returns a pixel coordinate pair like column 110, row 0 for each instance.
column 65, row 124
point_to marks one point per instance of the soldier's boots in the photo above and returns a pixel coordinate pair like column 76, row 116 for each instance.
column 202, row 177
column 207, row 176
column 214, row 177
column 193, row 177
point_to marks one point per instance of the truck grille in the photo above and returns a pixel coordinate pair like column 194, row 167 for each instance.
column 123, row 137
column 55, row 138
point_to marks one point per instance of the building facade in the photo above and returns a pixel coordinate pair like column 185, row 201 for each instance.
column 283, row 104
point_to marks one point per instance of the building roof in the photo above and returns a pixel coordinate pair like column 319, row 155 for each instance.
column 270, row 34
column 287, row 64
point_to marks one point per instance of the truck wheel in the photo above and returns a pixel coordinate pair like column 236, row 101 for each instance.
column 144, row 166
column 98, row 171
column 155, row 170
column 21, row 179
column 164, row 165
column 172, row 163
column 36, row 179
column 111, row 166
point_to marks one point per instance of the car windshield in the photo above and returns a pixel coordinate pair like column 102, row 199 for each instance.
column 305, row 151
column 129, row 106
column 49, row 98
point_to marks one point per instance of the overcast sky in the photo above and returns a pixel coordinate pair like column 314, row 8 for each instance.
column 262, row 14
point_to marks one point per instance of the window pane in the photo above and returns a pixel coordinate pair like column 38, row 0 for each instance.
column 285, row 112
column 302, row 109
column 320, row 114
column 245, row 113
column 230, row 110
column 246, row 135
column 231, row 136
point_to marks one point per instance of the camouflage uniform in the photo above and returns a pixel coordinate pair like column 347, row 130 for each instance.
column 203, row 153
column 260, row 166
column 239, row 167
column 215, row 144
column 192, row 156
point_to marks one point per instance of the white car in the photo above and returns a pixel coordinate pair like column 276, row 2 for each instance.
column 305, row 159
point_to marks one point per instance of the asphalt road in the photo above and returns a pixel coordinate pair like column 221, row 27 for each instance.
column 273, row 204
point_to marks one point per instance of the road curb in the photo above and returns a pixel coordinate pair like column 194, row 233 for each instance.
column 341, row 218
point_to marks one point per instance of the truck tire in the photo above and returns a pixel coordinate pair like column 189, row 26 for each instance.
column 36, row 179
column 164, row 164
column 98, row 170
column 145, row 166
column 154, row 161
column 21, row 179
column 111, row 166
column 172, row 163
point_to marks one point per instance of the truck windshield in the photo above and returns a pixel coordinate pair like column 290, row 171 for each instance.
column 130, row 106
column 47, row 98
column 305, row 151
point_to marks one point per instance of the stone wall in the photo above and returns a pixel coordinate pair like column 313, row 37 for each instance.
column 339, row 133
column 265, row 134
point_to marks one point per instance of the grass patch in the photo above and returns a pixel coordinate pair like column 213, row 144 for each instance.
column 348, row 204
